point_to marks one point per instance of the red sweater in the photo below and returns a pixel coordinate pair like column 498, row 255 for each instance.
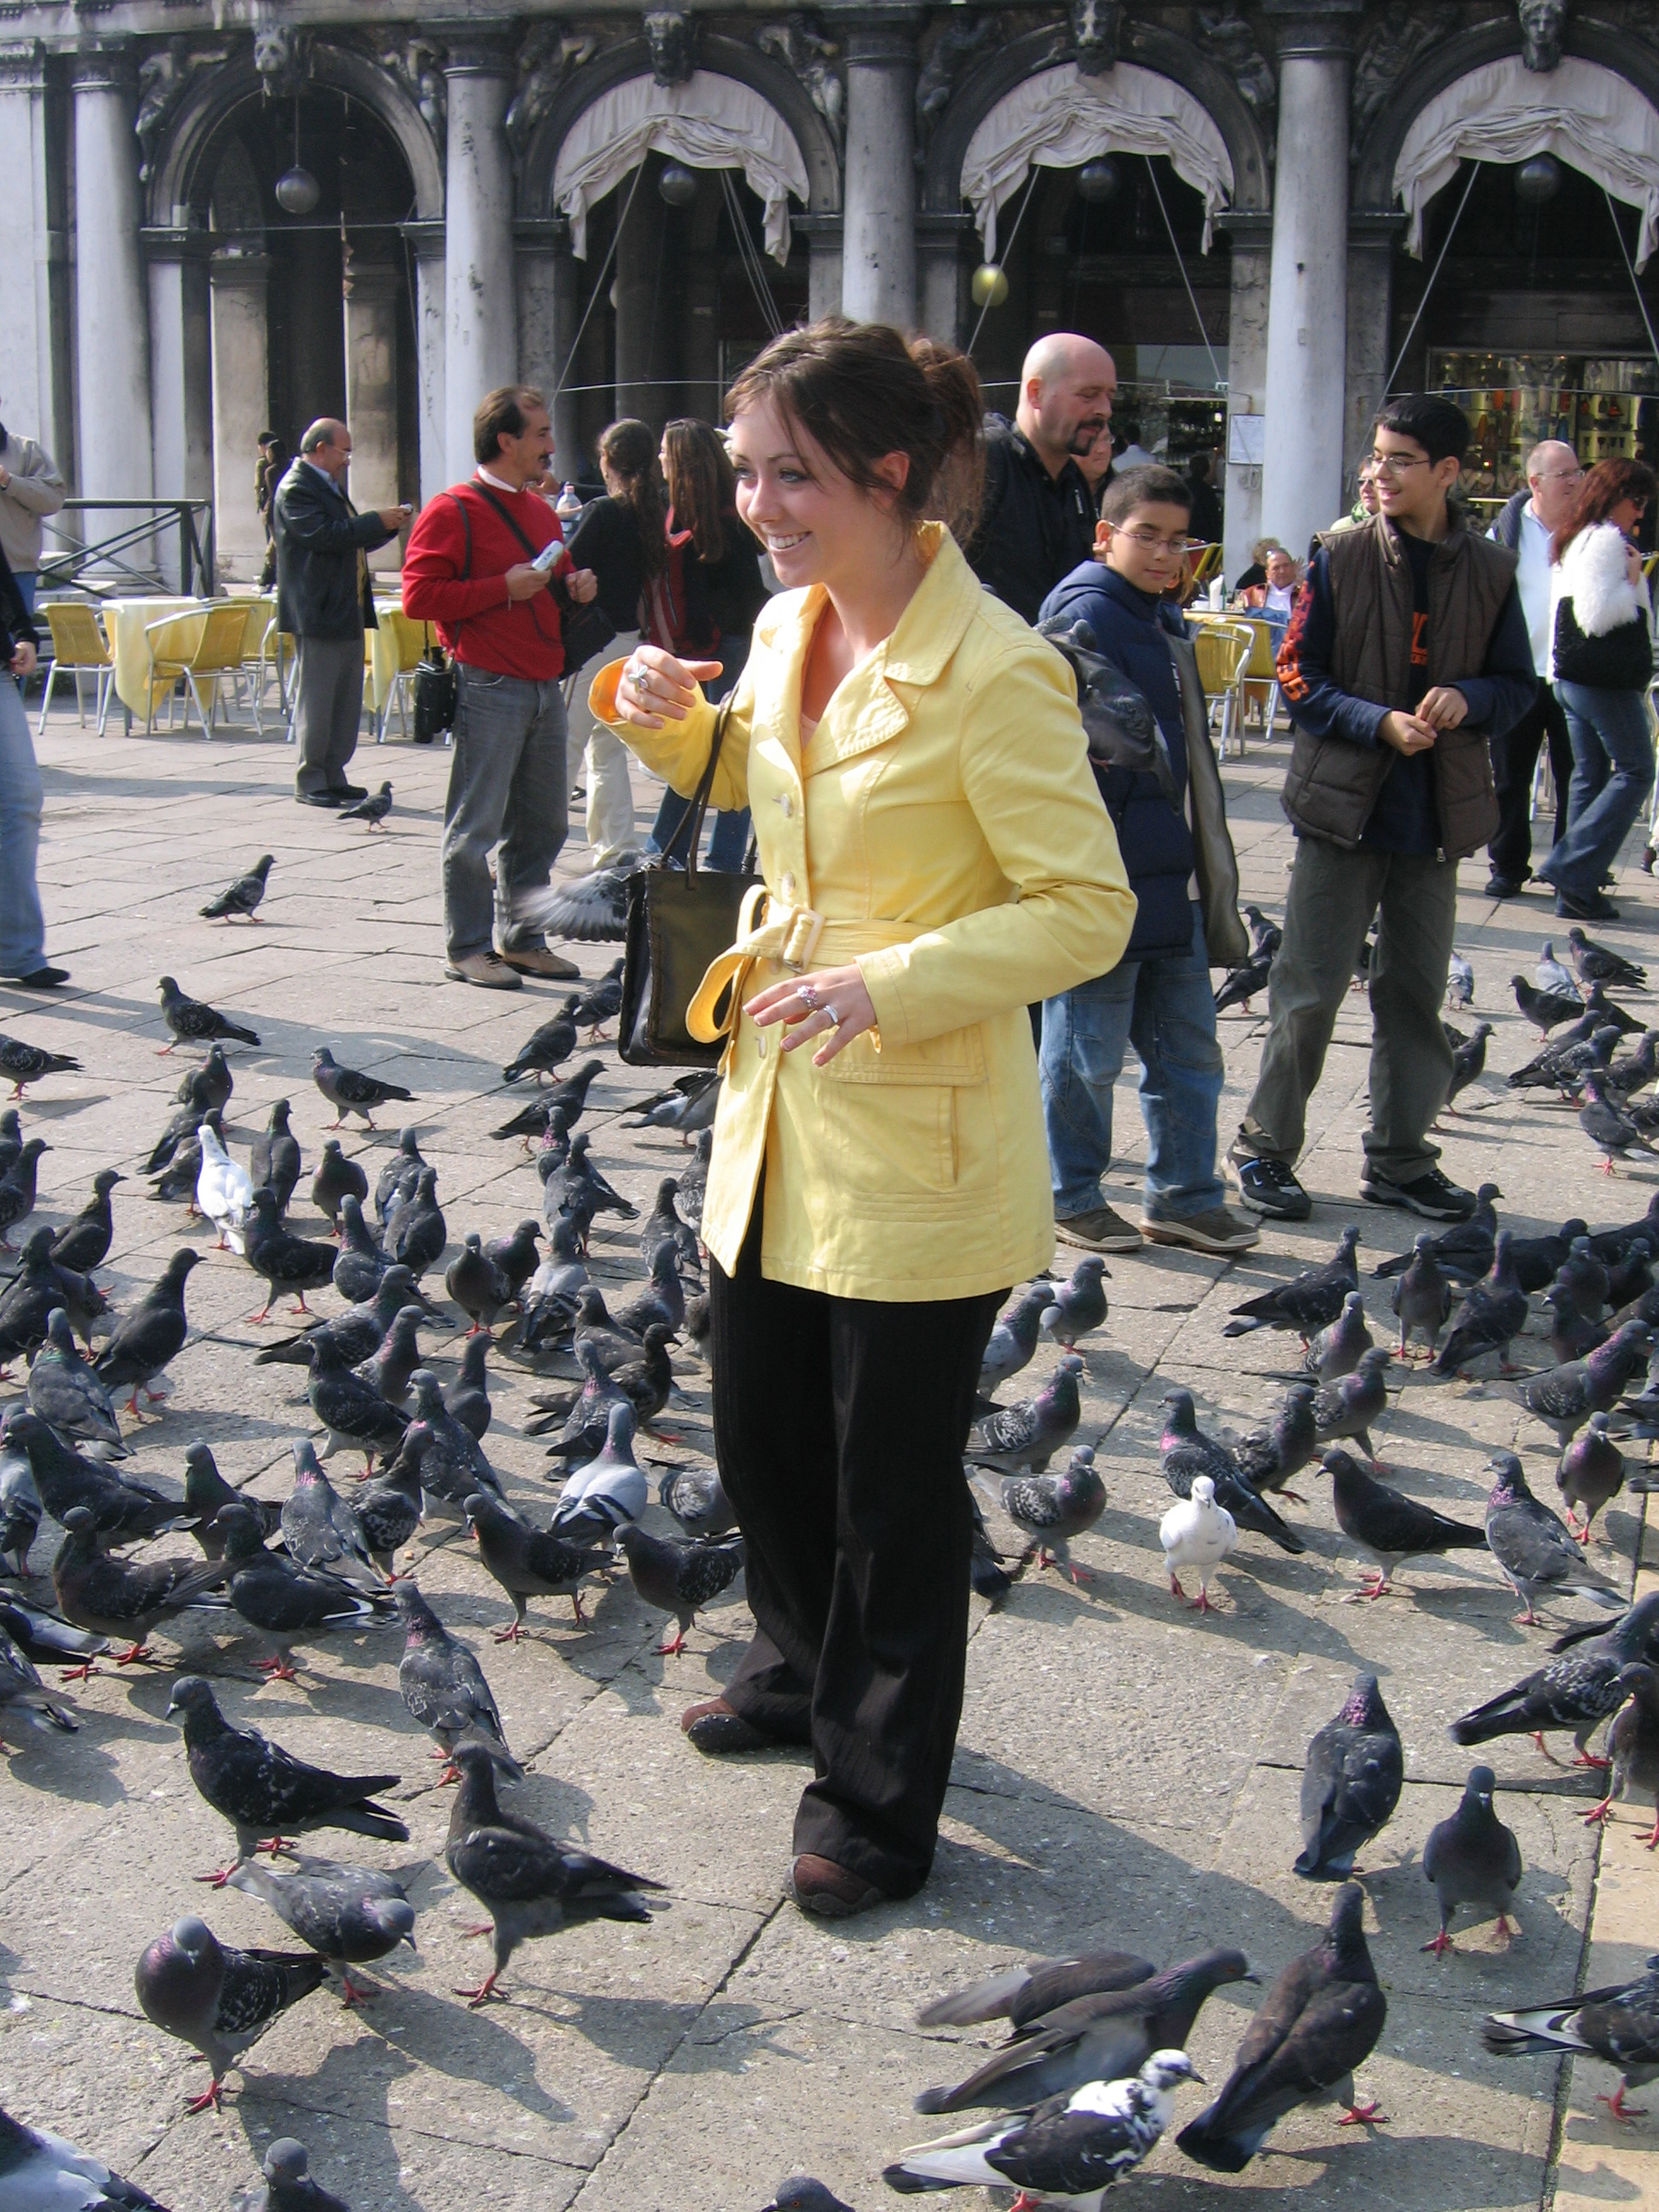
column 468, row 602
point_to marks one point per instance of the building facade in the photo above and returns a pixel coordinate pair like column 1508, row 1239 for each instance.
column 241, row 213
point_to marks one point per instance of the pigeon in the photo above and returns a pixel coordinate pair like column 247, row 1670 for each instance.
column 544, row 1052
column 582, row 1177
column 1267, row 1457
column 1335, row 1350
column 178, row 1179
column 1029, row 1433
column 1310, row 1301
column 1550, row 975
column 583, row 1434
column 120, row 1597
column 803, row 2192
column 678, row 1578
column 1079, row 1305
column 358, row 1332
column 1591, row 1474
column 1609, row 1128
column 1563, row 1065
column 1573, row 1335
column 1578, row 1689
column 1265, row 933
column 1350, row 1783
column 320, row 1529
column 467, row 1398
column 1051, row 1509
column 1608, row 1243
column 594, row 908
column 515, row 1255
column 1564, row 1398
column 607, row 1492
column 1024, row 1994
column 1631, row 1276
column 477, row 1286
column 1547, row 1010
column 665, row 1222
column 397, row 1178
column 42, row 2173
column 263, row 1790
column 1459, row 981
column 287, row 1262
column 529, row 1884
column 1538, row 1553
column 84, row 1242
column 1618, row 2024
column 1537, row 1259
column 594, row 1008
column 452, row 1461
column 285, row 1603
column 1633, row 1746
column 1465, row 1250
column 18, row 1189
column 987, row 1576
column 1319, row 2020
column 1186, row 1453
column 24, row 1064
column 528, row 1562
column 1469, row 1062
column 688, row 1109
column 242, row 897
column 286, row 2167
column 66, row 1393
column 206, row 1495
column 371, row 811
column 274, row 1158
column 210, row 1085
column 1244, row 982
column 1471, row 1858
column 219, row 2000
column 1196, row 1534
column 1349, row 1405
column 1069, row 2151
column 360, row 1266
column 224, row 1192
column 1388, row 1526
column 1634, row 1071
column 388, row 1510
column 1493, row 1313
column 350, row 1915
column 349, row 1090
column 29, row 1300
column 20, row 1509
column 694, row 1181
column 696, row 1499
column 443, row 1686
column 125, row 1511
column 1421, row 1298
column 337, row 1177
column 44, row 1638
column 1599, row 963
column 568, row 1100
column 415, row 1233
column 1101, row 2036
column 23, row 1694
column 352, row 1410
column 192, row 1023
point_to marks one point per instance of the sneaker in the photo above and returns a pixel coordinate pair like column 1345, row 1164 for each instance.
column 1431, row 1196
column 489, row 972
column 319, row 798
column 1215, row 1231
column 349, row 793
column 1099, row 1231
column 1268, row 1187
column 1505, row 887
column 1570, row 906
column 1649, row 856
column 536, row 960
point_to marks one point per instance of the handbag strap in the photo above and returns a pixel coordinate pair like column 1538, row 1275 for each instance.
column 529, row 552
column 706, row 784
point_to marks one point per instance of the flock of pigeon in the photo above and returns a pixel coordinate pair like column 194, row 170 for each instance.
column 1085, row 2085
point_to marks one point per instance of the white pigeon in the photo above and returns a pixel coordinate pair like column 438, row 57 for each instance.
column 39, row 2169
column 1069, row 2153
column 1550, row 975
column 224, row 1192
column 1196, row 1534
column 1459, row 981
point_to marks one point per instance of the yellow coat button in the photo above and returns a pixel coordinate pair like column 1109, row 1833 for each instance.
column 787, row 886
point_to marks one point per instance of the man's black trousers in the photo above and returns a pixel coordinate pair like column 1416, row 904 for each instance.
column 1514, row 759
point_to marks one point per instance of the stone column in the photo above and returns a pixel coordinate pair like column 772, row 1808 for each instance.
column 181, row 378
column 642, row 344
column 481, row 320
column 427, row 239
column 1373, row 234
column 878, row 263
column 239, row 278
column 111, row 307
column 1307, row 312
column 940, row 242
column 567, row 319
column 33, row 355
column 1251, row 236
column 823, row 233
column 371, row 370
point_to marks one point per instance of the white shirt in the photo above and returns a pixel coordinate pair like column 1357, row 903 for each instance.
column 1278, row 601
column 1533, row 582
column 511, row 489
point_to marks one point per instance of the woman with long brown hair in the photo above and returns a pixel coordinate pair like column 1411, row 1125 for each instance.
column 936, row 854
column 1601, row 664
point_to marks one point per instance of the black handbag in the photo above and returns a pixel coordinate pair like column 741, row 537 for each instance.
column 679, row 921
column 436, row 695
column 1117, row 719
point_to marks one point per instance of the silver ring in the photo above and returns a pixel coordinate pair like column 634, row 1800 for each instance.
column 834, row 1018
column 808, row 997
column 637, row 673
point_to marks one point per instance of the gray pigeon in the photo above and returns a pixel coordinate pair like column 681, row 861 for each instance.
column 1388, row 1526
column 477, row 1285
column 1026, row 1993
column 1350, row 1783
column 1079, row 1306
column 1311, row 1301
column 285, row 1603
column 242, row 897
column 371, row 811
column 467, row 1398
column 349, row 1090
column 337, row 1178
column 1465, row 1250
column 1349, row 1405
column 1591, row 1474
column 1268, row 1456
column 1633, row 1746
column 66, row 1393
column 1053, row 1508
column 803, row 2192
column 1573, row 1335
column 1471, row 1858
column 608, row 1491
column 678, row 1578
column 349, row 1915
column 1014, row 1337
column 528, row 1562
column 443, row 1686
column 1335, row 1350
column 1494, row 1312
column 1618, row 2024
column 696, row 1497
column 287, row 2183
column 218, row 2000
column 42, row 2173
column 24, row 1695
column 1599, row 964
column 1029, row 1433
column 1578, row 1689
column 1550, row 975
column 1537, row 1552
column 1186, row 1453
column 274, row 1157
column 1606, row 1125
column 320, row 1528
column 452, row 1464
column 191, row 1022
column 1422, row 1297
column 1564, row 1398
column 1459, row 981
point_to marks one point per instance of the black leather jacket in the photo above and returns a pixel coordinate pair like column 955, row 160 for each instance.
column 15, row 628
column 322, row 591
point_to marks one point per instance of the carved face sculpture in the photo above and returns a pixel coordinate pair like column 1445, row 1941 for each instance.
column 669, row 33
column 1094, row 33
column 1542, row 23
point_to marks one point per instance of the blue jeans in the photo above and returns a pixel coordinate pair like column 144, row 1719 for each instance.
column 23, row 931
column 25, row 580
column 506, row 781
column 670, row 832
column 1166, row 1010
column 1612, row 775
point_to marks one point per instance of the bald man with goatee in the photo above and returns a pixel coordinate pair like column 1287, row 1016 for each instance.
column 1526, row 526
column 1037, row 522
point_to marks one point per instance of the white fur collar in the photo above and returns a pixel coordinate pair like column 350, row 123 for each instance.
column 1592, row 575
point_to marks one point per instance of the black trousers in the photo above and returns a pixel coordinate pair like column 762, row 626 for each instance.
column 1514, row 759
column 839, row 1427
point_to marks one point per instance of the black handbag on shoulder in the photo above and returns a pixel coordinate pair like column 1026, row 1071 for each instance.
column 679, row 921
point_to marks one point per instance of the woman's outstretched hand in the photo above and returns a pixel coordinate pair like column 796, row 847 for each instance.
column 833, row 1005
column 655, row 687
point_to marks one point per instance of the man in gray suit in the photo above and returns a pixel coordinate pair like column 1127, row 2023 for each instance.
column 324, row 599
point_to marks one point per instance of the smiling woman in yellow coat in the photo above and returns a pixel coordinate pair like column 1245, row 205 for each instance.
column 936, row 856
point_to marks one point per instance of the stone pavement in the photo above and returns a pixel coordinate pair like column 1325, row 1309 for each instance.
column 1127, row 1773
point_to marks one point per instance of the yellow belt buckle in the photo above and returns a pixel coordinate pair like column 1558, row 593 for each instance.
column 801, row 939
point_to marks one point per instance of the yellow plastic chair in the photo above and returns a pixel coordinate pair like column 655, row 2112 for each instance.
column 1205, row 563
column 206, row 644
column 408, row 639
column 78, row 649
column 1224, row 650
column 259, row 642
column 1260, row 682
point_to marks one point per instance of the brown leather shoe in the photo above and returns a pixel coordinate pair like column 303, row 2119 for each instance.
column 714, row 1728
column 484, row 970
column 829, row 1891
column 536, row 960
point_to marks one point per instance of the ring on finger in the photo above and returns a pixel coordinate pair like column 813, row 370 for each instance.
column 834, row 1018
column 808, row 996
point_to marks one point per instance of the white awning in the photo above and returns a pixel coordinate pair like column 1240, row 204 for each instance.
column 1059, row 118
column 1589, row 117
column 710, row 122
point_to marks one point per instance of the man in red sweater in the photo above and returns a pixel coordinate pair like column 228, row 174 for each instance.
column 471, row 569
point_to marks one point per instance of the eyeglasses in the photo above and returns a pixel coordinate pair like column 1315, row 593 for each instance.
column 1153, row 542
column 1396, row 465
column 1560, row 476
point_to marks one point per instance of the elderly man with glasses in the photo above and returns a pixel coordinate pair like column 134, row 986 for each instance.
column 1526, row 526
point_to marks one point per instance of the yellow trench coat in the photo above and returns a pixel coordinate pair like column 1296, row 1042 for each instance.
column 947, row 830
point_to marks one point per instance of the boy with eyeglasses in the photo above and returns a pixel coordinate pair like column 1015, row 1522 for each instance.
column 1406, row 653
column 1185, row 880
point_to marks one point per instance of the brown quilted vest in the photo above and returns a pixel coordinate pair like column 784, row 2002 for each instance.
column 1332, row 786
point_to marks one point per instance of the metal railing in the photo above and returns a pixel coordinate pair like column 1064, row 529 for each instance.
column 70, row 563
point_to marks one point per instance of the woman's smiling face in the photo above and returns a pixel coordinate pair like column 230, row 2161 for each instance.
column 817, row 525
